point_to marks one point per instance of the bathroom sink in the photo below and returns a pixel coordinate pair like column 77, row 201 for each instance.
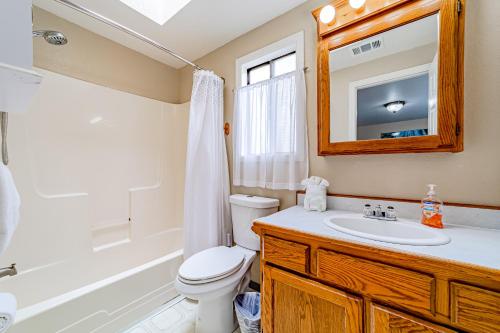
column 398, row 232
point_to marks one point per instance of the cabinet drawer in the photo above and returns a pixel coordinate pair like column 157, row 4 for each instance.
column 394, row 285
column 385, row 320
column 475, row 309
column 286, row 254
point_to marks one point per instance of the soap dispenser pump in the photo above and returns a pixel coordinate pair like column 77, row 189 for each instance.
column 432, row 209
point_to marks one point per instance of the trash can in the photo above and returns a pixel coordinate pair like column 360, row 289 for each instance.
column 247, row 306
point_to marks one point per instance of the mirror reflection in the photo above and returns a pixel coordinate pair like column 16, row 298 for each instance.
column 385, row 86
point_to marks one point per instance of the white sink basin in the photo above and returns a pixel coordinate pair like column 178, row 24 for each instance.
column 398, row 232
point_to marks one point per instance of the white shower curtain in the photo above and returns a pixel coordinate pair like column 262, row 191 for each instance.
column 207, row 217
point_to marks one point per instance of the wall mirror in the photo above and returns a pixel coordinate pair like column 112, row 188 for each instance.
column 390, row 78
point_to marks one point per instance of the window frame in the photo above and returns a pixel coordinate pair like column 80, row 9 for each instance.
column 271, row 66
column 285, row 46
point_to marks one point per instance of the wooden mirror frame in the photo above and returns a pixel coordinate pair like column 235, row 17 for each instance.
column 374, row 18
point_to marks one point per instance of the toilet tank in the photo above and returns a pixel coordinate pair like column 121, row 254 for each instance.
column 244, row 210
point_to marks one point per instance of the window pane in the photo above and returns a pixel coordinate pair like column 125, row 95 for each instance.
column 258, row 74
column 285, row 65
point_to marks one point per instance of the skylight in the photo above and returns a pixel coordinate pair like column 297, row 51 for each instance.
column 159, row 11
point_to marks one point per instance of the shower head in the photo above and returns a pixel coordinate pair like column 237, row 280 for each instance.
column 52, row 37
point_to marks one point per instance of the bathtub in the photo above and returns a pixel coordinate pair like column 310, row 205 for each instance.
column 110, row 305
column 101, row 182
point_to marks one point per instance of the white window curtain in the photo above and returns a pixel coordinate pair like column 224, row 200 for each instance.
column 270, row 135
column 207, row 217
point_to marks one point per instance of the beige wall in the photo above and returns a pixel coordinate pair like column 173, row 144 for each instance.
column 472, row 176
column 340, row 80
column 96, row 59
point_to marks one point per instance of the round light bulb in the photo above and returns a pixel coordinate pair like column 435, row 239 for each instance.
column 327, row 14
column 395, row 106
column 357, row 4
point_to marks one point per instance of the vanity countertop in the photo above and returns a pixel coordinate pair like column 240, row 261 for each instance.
column 475, row 246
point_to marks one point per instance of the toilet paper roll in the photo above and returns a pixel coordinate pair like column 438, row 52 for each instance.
column 8, row 307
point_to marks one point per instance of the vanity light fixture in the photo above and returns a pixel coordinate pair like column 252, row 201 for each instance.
column 327, row 14
column 357, row 4
column 394, row 106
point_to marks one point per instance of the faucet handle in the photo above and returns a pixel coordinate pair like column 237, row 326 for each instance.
column 368, row 211
column 390, row 213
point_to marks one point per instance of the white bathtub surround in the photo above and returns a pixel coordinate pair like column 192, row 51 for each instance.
column 8, row 307
column 207, row 218
column 270, row 133
column 109, row 305
column 101, row 181
column 10, row 203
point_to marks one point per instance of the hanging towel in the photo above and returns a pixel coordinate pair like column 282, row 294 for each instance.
column 9, row 207
column 8, row 307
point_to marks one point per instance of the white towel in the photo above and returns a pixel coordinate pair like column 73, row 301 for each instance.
column 315, row 193
column 9, row 207
column 8, row 308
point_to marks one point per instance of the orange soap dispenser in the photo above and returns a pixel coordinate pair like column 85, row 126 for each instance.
column 432, row 209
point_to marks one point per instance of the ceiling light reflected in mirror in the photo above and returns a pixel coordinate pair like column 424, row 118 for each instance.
column 395, row 106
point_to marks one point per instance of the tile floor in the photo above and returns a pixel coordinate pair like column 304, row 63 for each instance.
column 177, row 316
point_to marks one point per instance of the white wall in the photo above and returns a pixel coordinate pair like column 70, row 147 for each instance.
column 101, row 176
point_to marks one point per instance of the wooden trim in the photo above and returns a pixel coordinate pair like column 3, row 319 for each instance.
column 368, row 197
column 450, row 78
column 346, row 16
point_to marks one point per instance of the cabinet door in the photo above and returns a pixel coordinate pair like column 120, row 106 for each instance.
column 385, row 320
column 294, row 304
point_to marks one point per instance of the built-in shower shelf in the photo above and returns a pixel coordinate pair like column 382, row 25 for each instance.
column 17, row 86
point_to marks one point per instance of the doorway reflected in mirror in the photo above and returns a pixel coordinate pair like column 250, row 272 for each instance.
column 385, row 86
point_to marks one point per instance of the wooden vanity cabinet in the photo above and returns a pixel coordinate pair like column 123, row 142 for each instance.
column 296, row 304
column 386, row 320
column 313, row 284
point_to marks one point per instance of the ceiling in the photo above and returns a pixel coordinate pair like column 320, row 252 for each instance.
column 199, row 28
column 414, row 91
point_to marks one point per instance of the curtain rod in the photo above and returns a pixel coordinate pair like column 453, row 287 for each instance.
column 128, row 31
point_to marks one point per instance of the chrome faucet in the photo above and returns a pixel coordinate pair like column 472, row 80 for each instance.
column 378, row 213
column 8, row 271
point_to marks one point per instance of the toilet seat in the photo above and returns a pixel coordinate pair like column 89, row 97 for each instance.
column 211, row 265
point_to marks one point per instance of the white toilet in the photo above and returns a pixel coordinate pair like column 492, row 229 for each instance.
column 215, row 276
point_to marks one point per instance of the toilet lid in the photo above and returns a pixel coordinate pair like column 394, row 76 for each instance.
column 211, row 264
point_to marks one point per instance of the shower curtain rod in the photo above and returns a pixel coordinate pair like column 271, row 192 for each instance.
column 128, row 31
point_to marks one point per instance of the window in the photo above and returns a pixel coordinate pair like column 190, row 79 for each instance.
column 272, row 68
column 281, row 57
column 270, row 141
